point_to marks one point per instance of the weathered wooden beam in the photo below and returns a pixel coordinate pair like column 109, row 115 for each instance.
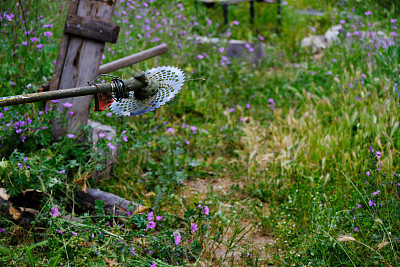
column 113, row 204
column 92, row 28
column 77, row 63
column 133, row 59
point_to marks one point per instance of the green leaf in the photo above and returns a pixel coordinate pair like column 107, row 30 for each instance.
column 4, row 251
column 55, row 260
column 30, row 257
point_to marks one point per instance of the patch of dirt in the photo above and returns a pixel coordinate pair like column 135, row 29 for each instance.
column 250, row 245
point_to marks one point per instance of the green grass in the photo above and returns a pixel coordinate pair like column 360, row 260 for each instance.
column 279, row 155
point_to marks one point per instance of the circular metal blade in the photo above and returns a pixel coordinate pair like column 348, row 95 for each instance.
column 170, row 79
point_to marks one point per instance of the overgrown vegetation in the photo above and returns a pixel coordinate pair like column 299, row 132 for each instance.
column 290, row 162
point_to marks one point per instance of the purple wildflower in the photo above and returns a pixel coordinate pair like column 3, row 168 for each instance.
column 178, row 240
column 70, row 135
column 206, row 210
column 150, row 216
column 376, row 193
column 110, row 146
column 194, row 227
column 151, row 225
column 67, row 104
column 54, row 212
column 159, row 217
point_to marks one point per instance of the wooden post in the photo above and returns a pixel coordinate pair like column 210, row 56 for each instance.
column 86, row 29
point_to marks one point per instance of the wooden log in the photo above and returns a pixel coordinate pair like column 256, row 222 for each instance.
column 23, row 208
column 133, row 59
column 114, row 204
column 123, row 62
column 91, row 28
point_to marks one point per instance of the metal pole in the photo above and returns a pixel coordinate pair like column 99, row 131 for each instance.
column 251, row 12
column 134, row 84
column 225, row 11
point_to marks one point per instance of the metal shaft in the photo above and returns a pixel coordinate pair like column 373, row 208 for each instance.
column 133, row 84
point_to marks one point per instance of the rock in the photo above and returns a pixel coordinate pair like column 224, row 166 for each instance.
column 319, row 42
column 241, row 50
column 111, row 156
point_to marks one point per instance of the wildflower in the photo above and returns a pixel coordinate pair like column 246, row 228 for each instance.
column 235, row 22
column 151, row 225
column 231, row 110
column 371, row 203
column 70, row 135
column 48, row 33
column 206, row 210
column 359, row 206
column 194, row 227
column 171, row 130
column 54, row 101
column 101, row 135
column 150, row 216
column 59, row 231
column 158, row 218
column 153, row 264
column 221, row 49
column 368, row 173
column 356, row 229
column 178, row 240
column 342, row 21
column 260, row 38
column 371, row 149
column 2, row 230
column 393, row 20
column 368, row 13
column 34, row 39
column 125, row 138
column 110, row 146
column 378, row 154
column 75, row 234
column 194, row 129
column 54, row 212
column 376, row 193
column 67, row 104
column 109, row 114
column 24, row 43
column 200, row 56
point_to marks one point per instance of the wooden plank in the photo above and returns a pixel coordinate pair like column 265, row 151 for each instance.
column 132, row 59
column 82, row 60
column 62, row 51
column 91, row 28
